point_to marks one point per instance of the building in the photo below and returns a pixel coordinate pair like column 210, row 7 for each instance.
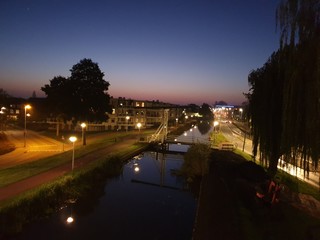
column 129, row 114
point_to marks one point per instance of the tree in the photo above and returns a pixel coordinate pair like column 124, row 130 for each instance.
column 83, row 96
column 206, row 112
column 284, row 104
column 34, row 95
column 265, row 100
column 299, row 22
column 196, row 160
column 3, row 97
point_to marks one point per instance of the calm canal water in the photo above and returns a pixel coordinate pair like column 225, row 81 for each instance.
column 145, row 202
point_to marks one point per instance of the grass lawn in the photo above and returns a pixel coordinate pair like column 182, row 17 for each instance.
column 23, row 171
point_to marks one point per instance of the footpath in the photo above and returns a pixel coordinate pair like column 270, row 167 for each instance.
column 17, row 188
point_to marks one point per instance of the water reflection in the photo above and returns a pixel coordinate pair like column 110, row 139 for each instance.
column 196, row 134
column 147, row 201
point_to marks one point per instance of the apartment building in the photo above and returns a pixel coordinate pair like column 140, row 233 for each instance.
column 129, row 114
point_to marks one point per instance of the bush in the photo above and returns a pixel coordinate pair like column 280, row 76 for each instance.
column 196, row 160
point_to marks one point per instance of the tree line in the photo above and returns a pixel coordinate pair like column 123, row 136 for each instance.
column 284, row 95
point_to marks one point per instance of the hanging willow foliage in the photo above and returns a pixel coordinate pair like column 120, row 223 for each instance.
column 284, row 96
column 299, row 21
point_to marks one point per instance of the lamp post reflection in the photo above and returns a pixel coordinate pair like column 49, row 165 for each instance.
column 136, row 167
column 70, row 219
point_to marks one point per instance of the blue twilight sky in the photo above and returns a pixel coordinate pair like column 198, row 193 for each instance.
column 177, row 51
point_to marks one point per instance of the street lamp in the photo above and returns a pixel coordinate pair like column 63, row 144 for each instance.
column 215, row 124
column 241, row 110
column 25, row 123
column 83, row 126
column 2, row 112
column 127, row 120
column 72, row 139
column 139, row 126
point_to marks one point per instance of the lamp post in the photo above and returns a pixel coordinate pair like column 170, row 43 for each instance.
column 241, row 110
column 127, row 120
column 2, row 123
column 72, row 139
column 25, row 123
column 139, row 126
column 215, row 124
column 83, row 126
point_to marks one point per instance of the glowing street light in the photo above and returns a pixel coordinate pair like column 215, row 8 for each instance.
column 2, row 123
column 72, row 139
column 25, row 123
column 2, row 110
column 83, row 126
column 139, row 126
column 127, row 120
column 241, row 110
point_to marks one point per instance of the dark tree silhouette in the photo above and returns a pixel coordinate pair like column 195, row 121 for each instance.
column 284, row 99
column 83, row 96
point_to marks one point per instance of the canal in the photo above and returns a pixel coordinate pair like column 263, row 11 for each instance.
column 147, row 201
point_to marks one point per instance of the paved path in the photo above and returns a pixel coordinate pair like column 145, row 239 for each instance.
column 35, row 181
column 37, row 147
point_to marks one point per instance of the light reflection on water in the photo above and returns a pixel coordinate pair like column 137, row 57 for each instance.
column 146, row 204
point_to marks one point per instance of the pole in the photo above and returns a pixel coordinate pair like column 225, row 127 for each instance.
column 244, row 141
column 72, row 166
column 25, row 126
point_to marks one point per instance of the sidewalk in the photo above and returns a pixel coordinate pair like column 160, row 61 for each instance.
column 37, row 147
column 37, row 180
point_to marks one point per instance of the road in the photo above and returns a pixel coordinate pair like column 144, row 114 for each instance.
column 234, row 135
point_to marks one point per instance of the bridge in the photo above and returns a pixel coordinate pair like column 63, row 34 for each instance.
column 161, row 134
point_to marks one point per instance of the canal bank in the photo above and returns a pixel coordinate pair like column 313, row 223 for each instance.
column 15, row 189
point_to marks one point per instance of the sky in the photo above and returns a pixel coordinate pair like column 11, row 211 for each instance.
column 176, row 51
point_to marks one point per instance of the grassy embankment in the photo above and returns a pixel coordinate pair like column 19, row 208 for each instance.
column 23, row 171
